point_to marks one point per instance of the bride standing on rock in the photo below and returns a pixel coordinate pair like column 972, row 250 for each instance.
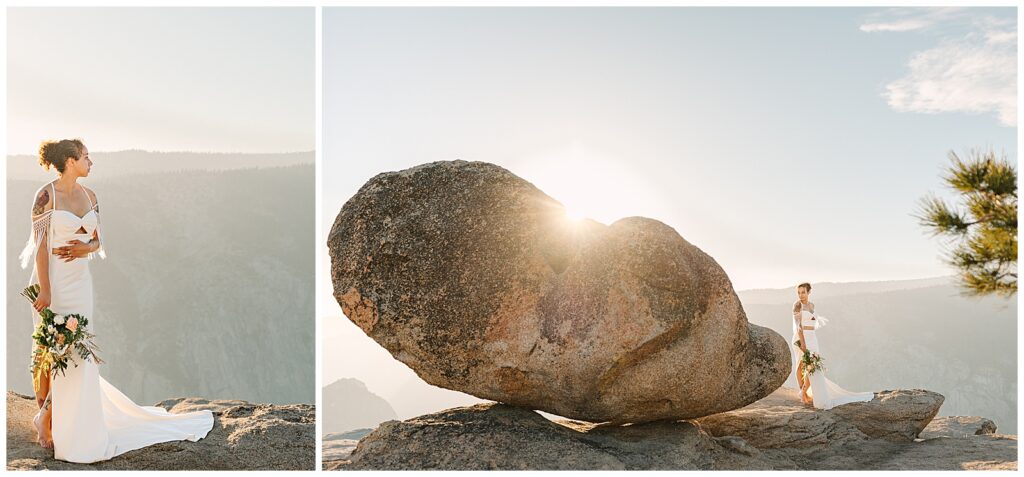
column 815, row 388
column 82, row 416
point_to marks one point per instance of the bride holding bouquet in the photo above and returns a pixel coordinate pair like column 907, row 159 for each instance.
column 815, row 388
column 82, row 417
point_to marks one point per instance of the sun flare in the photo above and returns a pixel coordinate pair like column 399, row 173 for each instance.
column 590, row 186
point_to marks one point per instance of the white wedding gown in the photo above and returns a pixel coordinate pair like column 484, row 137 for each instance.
column 825, row 393
column 92, row 420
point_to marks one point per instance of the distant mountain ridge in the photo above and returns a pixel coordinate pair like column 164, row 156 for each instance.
column 829, row 289
column 136, row 161
column 348, row 405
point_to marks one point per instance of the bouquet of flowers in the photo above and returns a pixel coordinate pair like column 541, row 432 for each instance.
column 58, row 337
column 812, row 363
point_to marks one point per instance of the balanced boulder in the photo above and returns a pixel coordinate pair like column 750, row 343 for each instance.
column 479, row 282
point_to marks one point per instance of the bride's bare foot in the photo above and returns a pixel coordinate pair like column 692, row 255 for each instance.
column 44, row 438
column 805, row 398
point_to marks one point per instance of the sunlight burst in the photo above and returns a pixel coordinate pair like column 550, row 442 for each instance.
column 589, row 185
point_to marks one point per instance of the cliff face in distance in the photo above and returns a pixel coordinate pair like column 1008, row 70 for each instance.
column 208, row 285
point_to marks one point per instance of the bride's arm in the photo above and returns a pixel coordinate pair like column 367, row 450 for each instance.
column 95, row 243
column 43, row 201
column 799, row 326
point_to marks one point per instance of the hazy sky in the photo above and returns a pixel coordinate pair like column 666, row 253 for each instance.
column 163, row 79
column 790, row 144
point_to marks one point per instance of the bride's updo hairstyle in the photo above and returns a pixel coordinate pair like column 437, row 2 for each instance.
column 804, row 285
column 56, row 153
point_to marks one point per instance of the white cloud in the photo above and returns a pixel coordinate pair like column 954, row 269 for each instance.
column 974, row 71
column 999, row 37
column 906, row 25
column 908, row 19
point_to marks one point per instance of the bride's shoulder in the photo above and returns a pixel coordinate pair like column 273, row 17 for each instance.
column 43, row 200
column 92, row 195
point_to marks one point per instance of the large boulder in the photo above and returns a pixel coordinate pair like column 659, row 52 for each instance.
column 478, row 281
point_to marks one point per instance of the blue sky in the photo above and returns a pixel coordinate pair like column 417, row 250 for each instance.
column 791, row 144
column 163, row 79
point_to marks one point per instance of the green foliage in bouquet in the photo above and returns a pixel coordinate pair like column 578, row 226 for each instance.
column 812, row 363
column 59, row 337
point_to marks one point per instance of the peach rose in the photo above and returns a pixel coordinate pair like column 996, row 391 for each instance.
column 72, row 323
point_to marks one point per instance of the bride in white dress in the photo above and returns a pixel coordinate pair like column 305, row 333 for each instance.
column 88, row 418
column 816, row 389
